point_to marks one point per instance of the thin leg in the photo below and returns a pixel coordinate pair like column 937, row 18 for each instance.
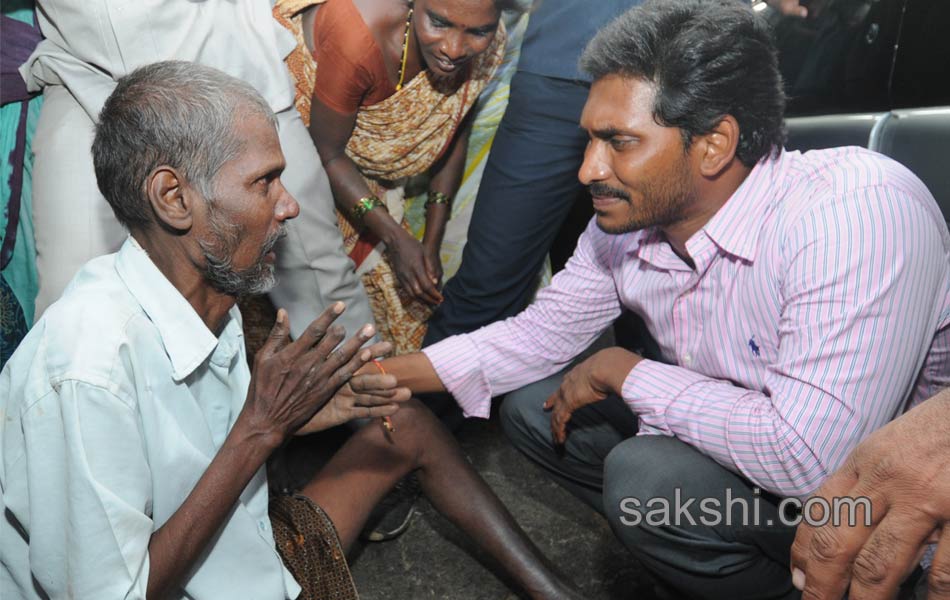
column 371, row 462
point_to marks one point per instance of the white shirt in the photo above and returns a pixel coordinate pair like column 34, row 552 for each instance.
column 112, row 408
column 91, row 43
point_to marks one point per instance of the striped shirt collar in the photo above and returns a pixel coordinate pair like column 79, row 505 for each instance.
column 736, row 226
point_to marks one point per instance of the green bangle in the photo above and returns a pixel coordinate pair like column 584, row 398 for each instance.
column 364, row 205
column 437, row 198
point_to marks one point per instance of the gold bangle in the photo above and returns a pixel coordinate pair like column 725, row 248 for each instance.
column 364, row 205
column 437, row 198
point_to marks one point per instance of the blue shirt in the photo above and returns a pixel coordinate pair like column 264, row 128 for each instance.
column 112, row 408
column 558, row 32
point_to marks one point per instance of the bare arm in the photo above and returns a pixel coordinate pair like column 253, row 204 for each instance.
column 291, row 381
column 446, row 179
column 331, row 131
column 176, row 545
column 413, row 371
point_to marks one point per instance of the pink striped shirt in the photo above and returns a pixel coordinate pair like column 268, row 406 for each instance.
column 819, row 310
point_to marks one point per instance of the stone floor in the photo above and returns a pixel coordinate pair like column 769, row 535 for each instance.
column 433, row 560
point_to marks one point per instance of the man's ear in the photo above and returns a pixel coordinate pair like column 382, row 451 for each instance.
column 170, row 198
column 717, row 148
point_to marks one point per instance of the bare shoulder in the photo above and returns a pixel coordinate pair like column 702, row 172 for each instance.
column 383, row 16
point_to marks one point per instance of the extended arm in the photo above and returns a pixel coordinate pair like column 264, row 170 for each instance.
column 564, row 319
column 331, row 132
column 446, row 179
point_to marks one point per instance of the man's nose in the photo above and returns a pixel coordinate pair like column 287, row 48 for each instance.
column 594, row 168
column 287, row 207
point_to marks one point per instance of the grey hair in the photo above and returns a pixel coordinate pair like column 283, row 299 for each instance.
column 172, row 113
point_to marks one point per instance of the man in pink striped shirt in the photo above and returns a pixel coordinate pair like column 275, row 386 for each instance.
column 799, row 302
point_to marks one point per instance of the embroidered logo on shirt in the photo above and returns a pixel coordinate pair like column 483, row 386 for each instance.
column 753, row 346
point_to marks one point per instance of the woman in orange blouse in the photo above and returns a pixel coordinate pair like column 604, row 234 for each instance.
column 386, row 87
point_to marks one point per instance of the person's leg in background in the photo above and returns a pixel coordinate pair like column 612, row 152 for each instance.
column 743, row 555
column 527, row 190
column 528, row 187
column 72, row 222
column 312, row 269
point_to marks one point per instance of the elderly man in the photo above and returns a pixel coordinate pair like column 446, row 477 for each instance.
column 799, row 301
column 89, row 45
column 134, row 435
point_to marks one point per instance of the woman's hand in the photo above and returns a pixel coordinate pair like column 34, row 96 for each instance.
column 433, row 263
column 407, row 257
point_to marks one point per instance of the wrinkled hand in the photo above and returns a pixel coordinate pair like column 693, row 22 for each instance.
column 589, row 382
column 407, row 258
column 904, row 469
column 292, row 380
column 365, row 395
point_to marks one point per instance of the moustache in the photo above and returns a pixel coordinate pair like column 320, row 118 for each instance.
column 604, row 190
column 271, row 241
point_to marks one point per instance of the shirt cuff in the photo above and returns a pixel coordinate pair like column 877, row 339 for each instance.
column 455, row 361
column 651, row 387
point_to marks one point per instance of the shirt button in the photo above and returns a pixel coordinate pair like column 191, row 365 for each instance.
column 262, row 525
column 687, row 359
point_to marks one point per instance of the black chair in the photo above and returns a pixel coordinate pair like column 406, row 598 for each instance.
column 920, row 140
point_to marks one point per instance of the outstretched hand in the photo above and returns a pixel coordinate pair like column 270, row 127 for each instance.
column 292, row 380
column 365, row 395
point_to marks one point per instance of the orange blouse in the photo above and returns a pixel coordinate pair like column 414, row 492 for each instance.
column 351, row 71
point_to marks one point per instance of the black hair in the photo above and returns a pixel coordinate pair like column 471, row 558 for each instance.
column 707, row 59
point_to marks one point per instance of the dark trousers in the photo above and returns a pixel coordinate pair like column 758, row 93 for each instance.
column 631, row 479
column 527, row 190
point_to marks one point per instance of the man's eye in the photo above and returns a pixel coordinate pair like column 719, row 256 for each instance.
column 438, row 23
column 620, row 143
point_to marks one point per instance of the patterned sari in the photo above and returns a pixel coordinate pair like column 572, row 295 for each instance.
column 393, row 140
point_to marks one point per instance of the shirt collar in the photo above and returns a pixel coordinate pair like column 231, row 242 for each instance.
column 187, row 340
column 655, row 250
column 735, row 227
